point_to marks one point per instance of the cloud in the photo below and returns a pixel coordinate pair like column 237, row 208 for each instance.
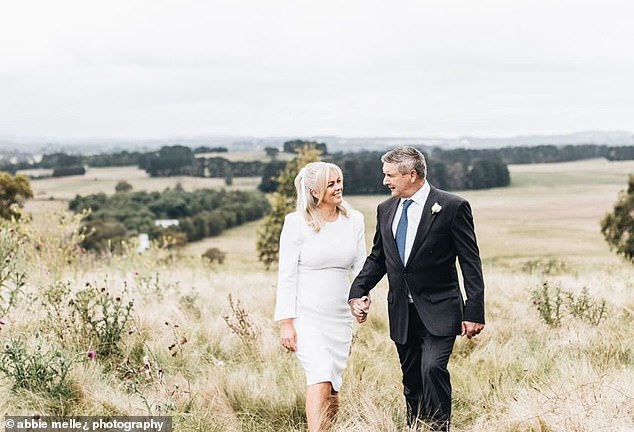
column 414, row 67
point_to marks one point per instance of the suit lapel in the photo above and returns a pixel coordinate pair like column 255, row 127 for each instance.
column 425, row 224
column 389, row 221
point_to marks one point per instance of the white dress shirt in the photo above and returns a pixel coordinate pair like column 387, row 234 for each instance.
column 414, row 213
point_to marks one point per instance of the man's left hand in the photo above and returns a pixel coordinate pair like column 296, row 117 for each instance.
column 471, row 329
column 360, row 308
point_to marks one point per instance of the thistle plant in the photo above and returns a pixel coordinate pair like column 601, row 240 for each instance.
column 58, row 316
column 179, row 340
column 551, row 302
column 239, row 322
column 586, row 308
column 548, row 301
column 151, row 286
column 12, row 268
column 103, row 318
column 43, row 372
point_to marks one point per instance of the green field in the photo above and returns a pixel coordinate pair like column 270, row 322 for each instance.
column 520, row 374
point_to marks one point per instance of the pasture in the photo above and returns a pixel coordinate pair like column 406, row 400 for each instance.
column 520, row 374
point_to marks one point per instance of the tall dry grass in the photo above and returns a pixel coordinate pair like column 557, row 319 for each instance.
column 181, row 358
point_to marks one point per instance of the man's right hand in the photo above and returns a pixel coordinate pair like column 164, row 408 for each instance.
column 360, row 308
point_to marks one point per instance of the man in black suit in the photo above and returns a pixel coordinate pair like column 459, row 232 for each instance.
column 420, row 232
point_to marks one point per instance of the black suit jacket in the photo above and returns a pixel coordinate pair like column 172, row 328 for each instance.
column 430, row 274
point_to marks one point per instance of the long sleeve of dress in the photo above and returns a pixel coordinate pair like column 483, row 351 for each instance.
column 359, row 226
column 290, row 242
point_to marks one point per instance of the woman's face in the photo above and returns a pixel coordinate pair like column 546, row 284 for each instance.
column 334, row 190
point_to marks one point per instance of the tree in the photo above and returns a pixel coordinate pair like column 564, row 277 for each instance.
column 270, row 174
column 71, row 170
column 103, row 235
column 60, row 160
column 214, row 255
column 123, row 187
column 618, row 227
column 13, row 191
column 272, row 152
column 282, row 202
column 229, row 177
column 169, row 161
column 295, row 146
column 487, row 173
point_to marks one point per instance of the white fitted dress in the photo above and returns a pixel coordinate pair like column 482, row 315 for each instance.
column 315, row 271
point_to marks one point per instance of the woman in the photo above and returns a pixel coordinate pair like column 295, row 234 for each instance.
column 322, row 247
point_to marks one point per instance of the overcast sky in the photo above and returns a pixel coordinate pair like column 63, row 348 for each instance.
column 445, row 68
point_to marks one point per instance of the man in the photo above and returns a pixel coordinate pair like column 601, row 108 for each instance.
column 420, row 232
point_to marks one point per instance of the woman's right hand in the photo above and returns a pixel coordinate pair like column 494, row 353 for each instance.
column 289, row 336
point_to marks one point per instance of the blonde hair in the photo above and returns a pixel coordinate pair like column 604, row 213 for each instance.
column 313, row 178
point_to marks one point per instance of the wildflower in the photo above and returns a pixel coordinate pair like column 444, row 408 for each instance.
column 91, row 355
column 2, row 322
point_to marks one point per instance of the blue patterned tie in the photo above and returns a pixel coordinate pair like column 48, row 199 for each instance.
column 401, row 230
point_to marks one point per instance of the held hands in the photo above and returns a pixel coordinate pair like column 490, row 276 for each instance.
column 471, row 329
column 360, row 308
column 288, row 335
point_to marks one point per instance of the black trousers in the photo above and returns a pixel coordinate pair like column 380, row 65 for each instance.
column 426, row 384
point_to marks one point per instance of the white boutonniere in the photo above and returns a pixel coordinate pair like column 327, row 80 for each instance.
column 436, row 208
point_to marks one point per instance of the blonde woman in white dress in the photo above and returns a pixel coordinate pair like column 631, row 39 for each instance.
column 322, row 248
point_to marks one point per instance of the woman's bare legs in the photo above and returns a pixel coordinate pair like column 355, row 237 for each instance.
column 322, row 403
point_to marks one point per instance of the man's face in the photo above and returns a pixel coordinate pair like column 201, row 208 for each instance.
column 400, row 185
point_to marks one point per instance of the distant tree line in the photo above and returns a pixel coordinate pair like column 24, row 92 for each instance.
column 205, row 149
column 362, row 169
column 219, row 167
column 181, row 160
column 537, row 154
column 461, row 166
column 363, row 173
column 201, row 213
column 116, row 159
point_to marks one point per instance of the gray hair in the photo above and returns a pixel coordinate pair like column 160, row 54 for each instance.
column 407, row 158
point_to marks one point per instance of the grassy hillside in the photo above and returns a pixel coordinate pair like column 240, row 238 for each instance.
column 199, row 343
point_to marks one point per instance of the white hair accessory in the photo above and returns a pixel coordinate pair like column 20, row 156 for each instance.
column 302, row 186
